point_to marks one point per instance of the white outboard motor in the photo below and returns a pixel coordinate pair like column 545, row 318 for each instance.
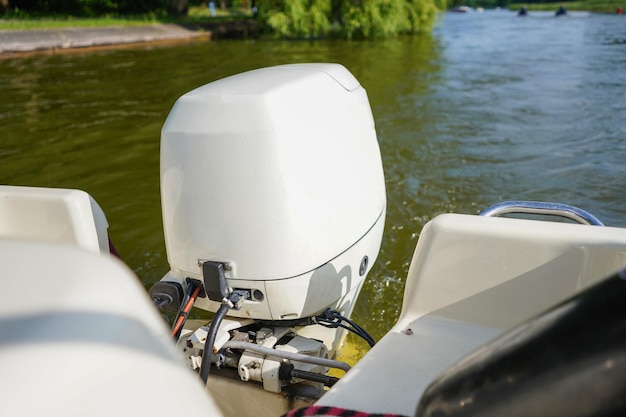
column 272, row 185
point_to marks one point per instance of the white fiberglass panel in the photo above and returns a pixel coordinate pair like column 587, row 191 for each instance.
column 459, row 256
column 53, row 215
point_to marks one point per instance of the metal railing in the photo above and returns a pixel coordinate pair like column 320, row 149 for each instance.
column 542, row 208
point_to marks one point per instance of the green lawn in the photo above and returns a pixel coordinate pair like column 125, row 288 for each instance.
column 197, row 15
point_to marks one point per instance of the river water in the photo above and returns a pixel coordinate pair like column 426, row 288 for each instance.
column 491, row 107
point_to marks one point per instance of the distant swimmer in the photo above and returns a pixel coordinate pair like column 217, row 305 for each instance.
column 561, row 11
column 523, row 11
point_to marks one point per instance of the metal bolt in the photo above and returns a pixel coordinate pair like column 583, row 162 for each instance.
column 363, row 266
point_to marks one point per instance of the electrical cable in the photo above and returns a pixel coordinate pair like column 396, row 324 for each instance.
column 192, row 293
column 361, row 332
column 205, row 366
column 333, row 319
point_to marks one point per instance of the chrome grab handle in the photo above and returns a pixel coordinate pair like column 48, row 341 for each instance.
column 538, row 207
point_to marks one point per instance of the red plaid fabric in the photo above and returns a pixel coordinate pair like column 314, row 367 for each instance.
column 320, row 411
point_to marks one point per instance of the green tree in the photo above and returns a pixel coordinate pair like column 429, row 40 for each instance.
column 348, row 18
column 178, row 7
column 386, row 18
column 82, row 8
column 295, row 18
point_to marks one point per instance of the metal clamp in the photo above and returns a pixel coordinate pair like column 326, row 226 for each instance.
column 543, row 208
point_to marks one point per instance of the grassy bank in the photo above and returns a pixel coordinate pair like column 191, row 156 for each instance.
column 197, row 16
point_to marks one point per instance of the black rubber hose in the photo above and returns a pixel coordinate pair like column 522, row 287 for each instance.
column 205, row 367
column 287, row 371
column 328, row 381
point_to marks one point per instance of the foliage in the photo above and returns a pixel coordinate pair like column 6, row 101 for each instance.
column 198, row 17
column 369, row 19
column 296, row 18
column 282, row 18
column 84, row 8
column 598, row 6
column 348, row 18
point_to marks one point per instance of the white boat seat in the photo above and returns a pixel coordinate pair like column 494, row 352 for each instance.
column 79, row 336
column 53, row 215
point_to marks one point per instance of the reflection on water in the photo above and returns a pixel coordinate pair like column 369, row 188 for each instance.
column 491, row 107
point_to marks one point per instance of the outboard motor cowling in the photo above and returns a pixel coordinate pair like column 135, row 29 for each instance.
column 276, row 175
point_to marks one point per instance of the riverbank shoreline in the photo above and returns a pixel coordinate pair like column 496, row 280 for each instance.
column 17, row 42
